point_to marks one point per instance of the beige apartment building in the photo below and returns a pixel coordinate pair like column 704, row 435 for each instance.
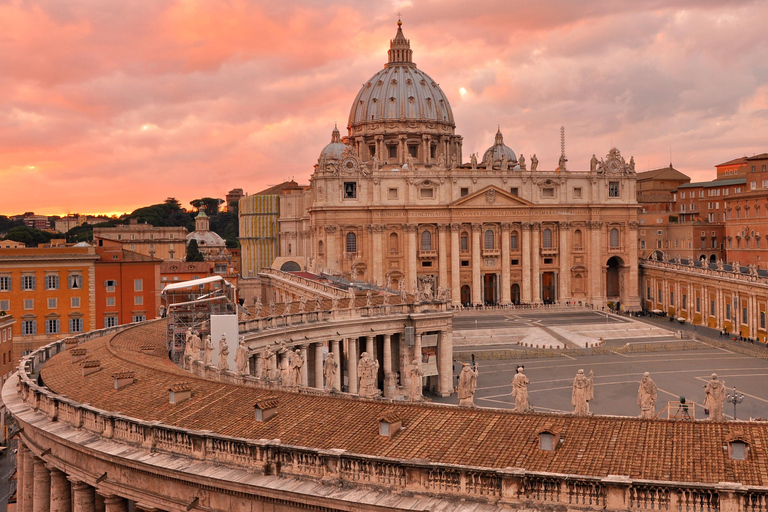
column 165, row 243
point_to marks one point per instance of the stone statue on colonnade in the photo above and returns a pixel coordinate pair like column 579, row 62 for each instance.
column 223, row 353
column 367, row 371
column 415, row 373
column 241, row 357
column 583, row 392
column 330, row 367
column 208, row 351
column 192, row 348
column 269, row 369
column 534, row 162
column 467, row 385
column 646, row 397
column 294, row 372
column 715, row 398
column 520, row 391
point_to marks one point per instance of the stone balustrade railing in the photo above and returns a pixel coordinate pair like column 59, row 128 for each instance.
column 704, row 271
column 322, row 288
column 271, row 457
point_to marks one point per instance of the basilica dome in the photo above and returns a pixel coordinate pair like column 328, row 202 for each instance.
column 400, row 92
column 335, row 148
column 495, row 152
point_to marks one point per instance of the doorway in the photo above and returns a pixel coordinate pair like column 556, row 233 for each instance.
column 489, row 289
column 548, row 287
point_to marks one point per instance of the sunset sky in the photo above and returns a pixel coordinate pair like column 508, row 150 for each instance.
column 107, row 106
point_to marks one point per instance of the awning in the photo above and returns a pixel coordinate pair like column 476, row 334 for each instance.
column 194, row 282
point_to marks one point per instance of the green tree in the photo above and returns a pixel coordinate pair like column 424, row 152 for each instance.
column 193, row 251
column 28, row 236
column 210, row 204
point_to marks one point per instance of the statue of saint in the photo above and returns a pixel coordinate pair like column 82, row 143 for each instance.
column 453, row 161
column 294, row 375
column 593, row 163
column 318, row 303
column 520, row 391
column 715, row 398
column 415, row 373
column 334, row 303
column 241, row 357
column 561, row 163
column 223, row 353
column 646, row 397
column 504, row 164
column 367, row 371
column 302, row 303
column 534, row 162
column 521, row 162
column 376, row 163
column 467, row 385
column 330, row 367
column 473, row 160
column 632, row 163
column 369, row 299
column 441, row 161
column 208, row 354
column 269, row 369
column 192, row 348
column 583, row 392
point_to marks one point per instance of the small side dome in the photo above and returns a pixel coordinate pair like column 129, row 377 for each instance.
column 335, row 149
column 495, row 152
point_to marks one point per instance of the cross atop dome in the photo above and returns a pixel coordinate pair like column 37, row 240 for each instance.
column 400, row 48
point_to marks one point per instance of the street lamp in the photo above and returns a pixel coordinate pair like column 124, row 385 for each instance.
column 734, row 398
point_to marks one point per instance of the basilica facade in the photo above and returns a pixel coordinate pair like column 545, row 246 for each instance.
column 394, row 203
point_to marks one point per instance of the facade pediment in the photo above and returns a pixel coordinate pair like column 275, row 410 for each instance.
column 490, row 196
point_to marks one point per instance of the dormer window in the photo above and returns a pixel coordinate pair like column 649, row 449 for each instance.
column 738, row 450
column 547, row 441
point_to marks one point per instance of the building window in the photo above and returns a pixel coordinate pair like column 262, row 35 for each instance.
column 685, row 302
column 75, row 325
column 138, row 285
column 28, row 327
column 727, row 311
column 139, row 318
column 350, row 190
column 51, row 282
column 75, row 281
column 464, row 241
column 659, row 295
column 351, row 242
column 110, row 301
column 393, row 243
column 513, row 191
column 614, row 238
column 744, row 316
column 413, row 150
column 613, row 189
column 642, row 244
column 28, row 282
column 53, row 303
column 5, row 283
column 392, row 151
column 138, row 300
column 712, row 308
column 426, row 193
column 648, row 293
column 672, row 298
column 577, row 193
column 464, row 191
column 74, row 302
column 29, row 304
column 547, row 192
column 546, row 239
column 110, row 321
column 762, row 319
column 513, row 241
column 738, row 450
column 392, row 193
column 5, row 305
column 426, row 241
column 52, row 326
column 698, row 304
column 489, row 240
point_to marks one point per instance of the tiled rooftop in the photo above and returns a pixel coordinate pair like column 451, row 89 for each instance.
column 593, row 446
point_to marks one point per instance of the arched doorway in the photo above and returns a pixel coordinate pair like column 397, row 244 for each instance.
column 515, row 294
column 658, row 255
column 612, row 278
column 466, row 297
column 489, row 289
column 713, row 259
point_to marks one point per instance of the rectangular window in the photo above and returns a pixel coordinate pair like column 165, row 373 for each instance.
column 577, row 193
column 392, row 193
column 648, row 293
column 698, row 304
column 5, row 283
column 28, row 327
column 52, row 326
column 110, row 321
column 53, row 303
column 685, row 301
column 110, row 301
column 138, row 285
column 762, row 319
column 514, row 262
column 547, row 192
column 712, row 308
column 110, row 284
column 51, row 282
column 464, row 263
column 75, row 325
column 392, row 151
column 350, row 190
column 672, row 298
column 464, row 191
column 413, row 150
column 139, row 318
column 28, row 282
column 75, row 281
column 659, row 295
column 727, row 311
column 426, row 193
column 513, row 241
column 744, row 315
column 682, row 194
column 29, row 304
column 138, row 300
column 513, row 191
column 5, row 305
column 752, row 185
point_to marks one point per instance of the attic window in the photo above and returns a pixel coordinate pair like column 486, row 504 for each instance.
column 547, row 441
column 389, row 424
column 266, row 409
column 738, row 450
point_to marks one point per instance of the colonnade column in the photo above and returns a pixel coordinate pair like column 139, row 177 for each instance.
column 331, row 248
column 304, row 367
column 370, row 346
column 387, row 363
column 41, row 496
column 476, row 286
column 597, row 265
column 455, row 265
column 535, row 259
column 28, row 479
column 445, row 363
column 378, row 252
column 563, row 252
column 115, row 504
column 505, row 281
column 337, row 357
column 526, row 252
column 417, row 356
column 631, row 289
column 410, row 235
column 61, row 497
column 442, row 256
column 84, row 497
column 352, row 366
column 319, row 365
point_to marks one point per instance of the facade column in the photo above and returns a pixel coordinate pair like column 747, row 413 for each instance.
column 337, row 356
column 455, row 265
column 378, row 253
column 445, row 363
column 412, row 248
column 476, row 286
column 526, row 252
column 41, row 497
column 331, row 249
column 596, row 266
column 352, row 367
column 506, row 286
column 535, row 260
column 61, row 497
column 634, row 301
column 28, row 480
column 84, row 497
column 417, row 357
column 319, row 365
column 564, row 283
column 442, row 256
column 370, row 346
column 304, row 367
column 115, row 504
column 389, row 384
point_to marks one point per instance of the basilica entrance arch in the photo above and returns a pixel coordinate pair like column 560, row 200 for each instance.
column 612, row 278
column 515, row 294
column 466, row 296
column 548, row 285
column 490, row 285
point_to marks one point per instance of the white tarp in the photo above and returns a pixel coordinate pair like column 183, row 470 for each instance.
column 194, row 282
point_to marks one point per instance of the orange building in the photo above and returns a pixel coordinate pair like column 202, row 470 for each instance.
column 6, row 345
column 178, row 271
column 49, row 291
column 127, row 285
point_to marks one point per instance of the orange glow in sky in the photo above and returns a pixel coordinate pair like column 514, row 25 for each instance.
column 109, row 106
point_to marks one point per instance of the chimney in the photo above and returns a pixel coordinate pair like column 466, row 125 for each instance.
column 180, row 392
column 390, row 423
column 78, row 354
column 90, row 367
column 266, row 408
column 123, row 379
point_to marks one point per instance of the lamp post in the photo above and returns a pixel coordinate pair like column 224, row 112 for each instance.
column 734, row 398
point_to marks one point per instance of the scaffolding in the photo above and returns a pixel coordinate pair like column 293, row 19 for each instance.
column 189, row 306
